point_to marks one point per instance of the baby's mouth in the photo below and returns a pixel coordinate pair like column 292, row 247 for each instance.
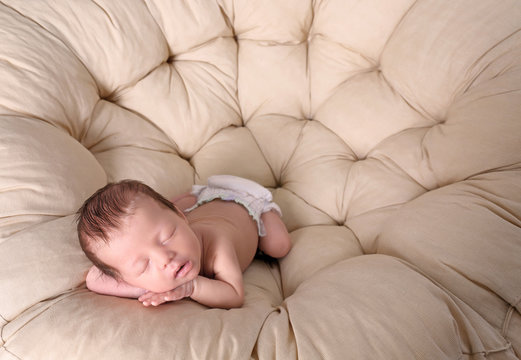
column 183, row 270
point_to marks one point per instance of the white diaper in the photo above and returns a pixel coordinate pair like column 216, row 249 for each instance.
column 254, row 197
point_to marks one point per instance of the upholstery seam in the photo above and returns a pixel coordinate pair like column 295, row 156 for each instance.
column 308, row 66
column 11, row 353
column 402, row 170
column 471, row 83
column 506, row 322
column 263, row 326
column 236, row 38
column 283, row 170
column 161, row 30
column 25, row 115
column 345, row 203
column 33, row 225
column 145, row 2
column 174, row 145
column 293, row 334
column 315, row 208
column 59, row 40
column 230, row 23
column 74, row 55
column 390, row 206
column 277, row 181
column 49, row 306
column 508, row 317
column 452, row 296
column 234, row 98
column 2, row 329
column 398, row 25
column 421, row 112
column 493, row 206
column 425, row 114
column 500, row 93
column 343, row 141
column 506, row 347
column 105, row 12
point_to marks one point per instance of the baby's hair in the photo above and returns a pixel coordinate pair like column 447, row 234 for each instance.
column 103, row 212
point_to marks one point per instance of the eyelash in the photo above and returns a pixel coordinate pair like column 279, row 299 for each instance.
column 168, row 238
column 163, row 243
column 146, row 267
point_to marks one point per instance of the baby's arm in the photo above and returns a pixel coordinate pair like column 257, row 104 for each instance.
column 226, row 290
column 106, row 285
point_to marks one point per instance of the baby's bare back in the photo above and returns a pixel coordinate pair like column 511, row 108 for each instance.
column 219, row 220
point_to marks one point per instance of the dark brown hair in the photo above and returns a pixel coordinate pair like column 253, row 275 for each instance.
column 103, row 212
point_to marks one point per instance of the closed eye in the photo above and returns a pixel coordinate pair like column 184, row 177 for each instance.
column 145, row 267
column 169, row 237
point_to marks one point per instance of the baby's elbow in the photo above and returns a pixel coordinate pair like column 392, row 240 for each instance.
column 89, row 283
column 92, row 277
column 236, row 303
column 240, row 301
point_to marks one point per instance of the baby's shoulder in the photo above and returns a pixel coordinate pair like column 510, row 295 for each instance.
column 218, row 249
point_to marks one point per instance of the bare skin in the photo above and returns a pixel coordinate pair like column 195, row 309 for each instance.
column 162, row 256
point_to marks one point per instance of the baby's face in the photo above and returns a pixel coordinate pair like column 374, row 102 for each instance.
column 154, row 249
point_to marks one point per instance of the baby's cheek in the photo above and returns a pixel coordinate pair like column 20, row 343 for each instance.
column 136, row 282
column 160, row 286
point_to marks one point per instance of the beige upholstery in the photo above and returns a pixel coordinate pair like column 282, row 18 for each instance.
column 388, row 131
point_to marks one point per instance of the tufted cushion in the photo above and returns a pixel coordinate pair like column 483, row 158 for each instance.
column 388, row 131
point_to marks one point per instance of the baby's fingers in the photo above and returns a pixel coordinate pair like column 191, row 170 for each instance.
column 146, row 296
column 153, row 299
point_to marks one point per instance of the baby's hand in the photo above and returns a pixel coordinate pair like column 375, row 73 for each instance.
column 155, row 299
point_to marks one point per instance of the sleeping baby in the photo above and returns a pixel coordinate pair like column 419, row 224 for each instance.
column 143, row 246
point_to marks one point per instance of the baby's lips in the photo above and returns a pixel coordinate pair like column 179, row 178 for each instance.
column 183, row 270
column 175, row 266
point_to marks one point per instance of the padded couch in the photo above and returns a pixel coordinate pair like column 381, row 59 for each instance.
column 388, row 131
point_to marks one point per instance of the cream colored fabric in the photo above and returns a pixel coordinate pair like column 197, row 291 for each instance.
column 388, row 131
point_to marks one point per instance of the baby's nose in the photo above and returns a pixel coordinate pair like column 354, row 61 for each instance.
column 169, row 262
column 164, row 259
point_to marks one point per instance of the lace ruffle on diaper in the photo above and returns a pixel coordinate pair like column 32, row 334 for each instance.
column 254, row 197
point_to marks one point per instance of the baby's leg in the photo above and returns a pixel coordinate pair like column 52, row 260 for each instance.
column 276, row 243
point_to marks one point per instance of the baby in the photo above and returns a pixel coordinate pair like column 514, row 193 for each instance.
column 143, row 246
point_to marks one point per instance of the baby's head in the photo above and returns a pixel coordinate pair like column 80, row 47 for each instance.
column 125, row 229
column 103, row 213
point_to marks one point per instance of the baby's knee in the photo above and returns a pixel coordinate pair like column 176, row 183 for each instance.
column 277, row 242
column 275, row 245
